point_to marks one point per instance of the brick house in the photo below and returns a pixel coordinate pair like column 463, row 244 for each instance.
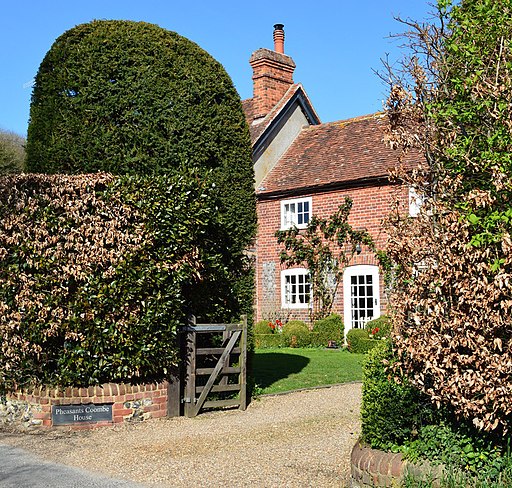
column 304, row 167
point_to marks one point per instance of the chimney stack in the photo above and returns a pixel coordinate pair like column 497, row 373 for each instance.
column 272, row 74
column 279, row 38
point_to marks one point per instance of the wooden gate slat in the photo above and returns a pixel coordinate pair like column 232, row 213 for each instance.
column 215, row 350
column 215, row 372
column 220, row 388
column 230, row 402
column 229, row 370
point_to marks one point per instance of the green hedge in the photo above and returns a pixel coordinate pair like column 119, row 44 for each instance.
column 311, row 339
column 329, row 329
column 391, row 412
column 381, row 326
column 296, row 334
column 359, row 341
column 265, row 341
column 262, row 327
column 97, row 272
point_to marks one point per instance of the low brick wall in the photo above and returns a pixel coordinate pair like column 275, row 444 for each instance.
column 371, row 468
column 129, row 403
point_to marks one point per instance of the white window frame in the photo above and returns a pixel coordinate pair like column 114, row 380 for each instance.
column 290, row 219
column 359, row 270
column 298, row 274
column 415, row 202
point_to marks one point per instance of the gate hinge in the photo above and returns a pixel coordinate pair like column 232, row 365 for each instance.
column 186, row 400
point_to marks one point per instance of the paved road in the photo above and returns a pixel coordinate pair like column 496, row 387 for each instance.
column 20, row 469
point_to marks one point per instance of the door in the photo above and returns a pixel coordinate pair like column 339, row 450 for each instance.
column 361, row 295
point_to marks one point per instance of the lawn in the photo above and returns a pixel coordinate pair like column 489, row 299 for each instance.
column 286, row 369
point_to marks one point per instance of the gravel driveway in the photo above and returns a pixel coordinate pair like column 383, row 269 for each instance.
column 301, row 439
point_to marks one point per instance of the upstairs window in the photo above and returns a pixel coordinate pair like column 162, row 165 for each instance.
column 415, row 202
column 296, row 212
column 295, row 288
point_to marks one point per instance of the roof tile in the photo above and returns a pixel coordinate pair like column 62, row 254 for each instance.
column 335, row 152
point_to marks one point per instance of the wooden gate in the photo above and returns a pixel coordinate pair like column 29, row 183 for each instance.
column 216, row 357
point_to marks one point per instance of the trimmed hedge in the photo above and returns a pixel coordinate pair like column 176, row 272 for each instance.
column 133, row 98
column 359, row 341
column 391, row 412
column 97, row 272
column 381, row 325
column 264, row 341
column 262, row 327
column 329, row 329
column 295, row 334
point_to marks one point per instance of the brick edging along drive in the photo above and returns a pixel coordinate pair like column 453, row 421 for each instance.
column 375, row 468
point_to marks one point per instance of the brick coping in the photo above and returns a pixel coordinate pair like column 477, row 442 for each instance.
column 375, row 468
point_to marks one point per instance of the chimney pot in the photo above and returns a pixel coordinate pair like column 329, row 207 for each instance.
column 279, row 38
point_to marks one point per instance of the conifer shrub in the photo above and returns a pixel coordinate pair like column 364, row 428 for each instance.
column 132, row 98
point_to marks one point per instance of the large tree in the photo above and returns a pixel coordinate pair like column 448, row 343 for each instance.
column 452, row 299
column 133, row 98
column 12, row 152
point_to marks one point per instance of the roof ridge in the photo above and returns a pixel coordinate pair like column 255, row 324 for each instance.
column 358, row 118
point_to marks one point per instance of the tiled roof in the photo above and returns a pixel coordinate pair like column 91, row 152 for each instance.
column 333, row 153
column 258, row 126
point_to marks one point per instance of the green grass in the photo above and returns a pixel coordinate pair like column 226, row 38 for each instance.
column 287, row 369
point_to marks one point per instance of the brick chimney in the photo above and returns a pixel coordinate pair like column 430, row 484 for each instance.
column 272, row 74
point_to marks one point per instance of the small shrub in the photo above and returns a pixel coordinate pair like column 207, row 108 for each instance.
column 379, row 328
column 328, row 329
column 450, row 445
column 296, row 334
column 391, row 412
column 262, row 327
column 360, row 342
column 265, row 341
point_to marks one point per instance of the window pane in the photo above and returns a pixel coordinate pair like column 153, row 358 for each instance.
column 361, row 280
column 369, row 279
column 353, row 280
column 369, row 303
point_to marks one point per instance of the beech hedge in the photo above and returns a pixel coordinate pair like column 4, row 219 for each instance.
column 98, row 271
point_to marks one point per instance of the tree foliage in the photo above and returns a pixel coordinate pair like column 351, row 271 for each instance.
column 132, row 98
column 452, row 306
column 325, row 248
column 12, row 152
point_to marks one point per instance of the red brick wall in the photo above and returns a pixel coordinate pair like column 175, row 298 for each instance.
column 370, row 206
column 129, row 402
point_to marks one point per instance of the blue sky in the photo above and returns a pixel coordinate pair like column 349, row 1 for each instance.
column 335, row 44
